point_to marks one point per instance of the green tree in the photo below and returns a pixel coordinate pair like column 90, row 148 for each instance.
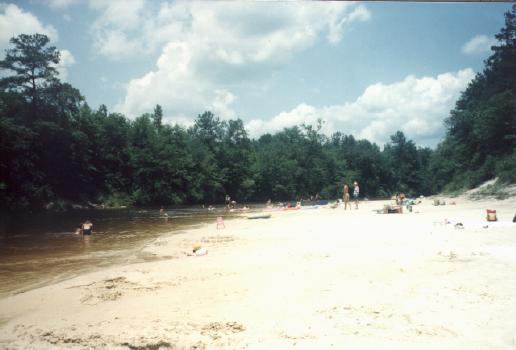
column 157, row 117
column 407, row 165
column 481, row 129
column 33, row 64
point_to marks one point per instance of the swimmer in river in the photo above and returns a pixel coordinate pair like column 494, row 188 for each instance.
column 87, row 228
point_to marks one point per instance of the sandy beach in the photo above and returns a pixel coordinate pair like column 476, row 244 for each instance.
column 306, row 279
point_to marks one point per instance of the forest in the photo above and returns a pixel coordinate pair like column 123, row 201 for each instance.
column 55, row 150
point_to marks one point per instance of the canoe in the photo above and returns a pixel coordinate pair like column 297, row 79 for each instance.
column 292, row 208
column 259, row 216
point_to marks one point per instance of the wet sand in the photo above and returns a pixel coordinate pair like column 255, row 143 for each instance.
column 308, row 279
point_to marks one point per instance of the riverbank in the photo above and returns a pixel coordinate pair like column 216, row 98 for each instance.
column 318, row 278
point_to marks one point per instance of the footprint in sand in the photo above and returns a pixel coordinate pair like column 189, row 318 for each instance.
column 378, row 320
column 451, row 257
column 217, row 330
column 111, row 289
column 88, row 338
column 217, row 239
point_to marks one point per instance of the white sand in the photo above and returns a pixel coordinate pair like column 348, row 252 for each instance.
column 311, row 279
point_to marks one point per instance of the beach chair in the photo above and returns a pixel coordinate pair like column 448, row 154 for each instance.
column 220, row 222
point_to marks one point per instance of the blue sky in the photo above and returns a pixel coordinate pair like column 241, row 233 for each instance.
column 366, row 69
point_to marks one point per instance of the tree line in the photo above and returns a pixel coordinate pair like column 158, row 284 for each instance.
column 54, row 148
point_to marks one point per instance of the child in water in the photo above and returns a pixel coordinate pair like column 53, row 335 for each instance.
column 87, row 228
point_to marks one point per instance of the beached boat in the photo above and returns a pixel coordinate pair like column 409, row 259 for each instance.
column 259, row 216
column 320, row 202
column 292, row 208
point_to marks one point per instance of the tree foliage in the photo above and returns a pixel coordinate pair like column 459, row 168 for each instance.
column 481, row 131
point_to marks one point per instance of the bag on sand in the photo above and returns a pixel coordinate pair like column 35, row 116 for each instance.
column 491, row 215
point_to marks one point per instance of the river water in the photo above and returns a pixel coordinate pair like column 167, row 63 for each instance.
column 37, row 250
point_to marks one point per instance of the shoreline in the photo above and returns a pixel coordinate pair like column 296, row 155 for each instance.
column 47, row 255
column 310, row 278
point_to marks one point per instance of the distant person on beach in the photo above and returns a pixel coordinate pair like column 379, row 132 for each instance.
column 346, row 197
column 161, row 211
column 87, row 228
column 356, row 193
column 228, row 201
column 400, row 198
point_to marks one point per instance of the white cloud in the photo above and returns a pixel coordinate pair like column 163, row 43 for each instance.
column 417, row 106
column 116, row 31
column 66, row 60
column 221, row 104
column 479, row 44
column 206, row 47
column 61, row 4
column 237, row 32
column 336, row 27
column 14, row 21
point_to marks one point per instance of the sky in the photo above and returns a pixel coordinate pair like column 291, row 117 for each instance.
column 366, row 69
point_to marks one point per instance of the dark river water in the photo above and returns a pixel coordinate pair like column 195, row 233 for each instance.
column 37, row 250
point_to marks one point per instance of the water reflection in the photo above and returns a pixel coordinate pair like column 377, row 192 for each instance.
column 44, row 248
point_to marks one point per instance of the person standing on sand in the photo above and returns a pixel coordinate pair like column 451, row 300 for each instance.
column 346, row 197
column 356, row 193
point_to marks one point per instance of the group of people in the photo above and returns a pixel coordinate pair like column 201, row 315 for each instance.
column 229, row 203
column 86, row 228
column 356, row 194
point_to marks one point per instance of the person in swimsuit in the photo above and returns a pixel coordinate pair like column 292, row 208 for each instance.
column 346, row 197
column 87, row 228
column 356, row 193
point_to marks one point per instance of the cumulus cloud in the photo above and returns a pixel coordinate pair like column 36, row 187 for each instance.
column 207, row 47
column 14, row 21
column 66, row 60
column 417, row 106
column 116, row 31
column 479, row 44
column 236, row 32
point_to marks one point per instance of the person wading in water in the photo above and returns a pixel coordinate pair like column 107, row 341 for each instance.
column 87, row 228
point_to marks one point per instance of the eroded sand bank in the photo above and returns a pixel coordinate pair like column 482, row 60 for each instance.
column 309, row 279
